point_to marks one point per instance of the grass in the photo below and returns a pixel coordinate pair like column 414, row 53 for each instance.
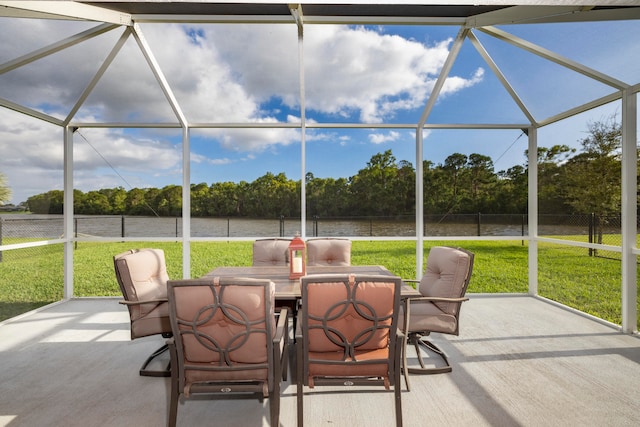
column 30, row 278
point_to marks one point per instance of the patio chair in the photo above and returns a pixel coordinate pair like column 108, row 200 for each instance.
column 443, row 289
column 271, row 252
column 142, row 277
column 226, row 340
column 328, row 252
column 347, row 334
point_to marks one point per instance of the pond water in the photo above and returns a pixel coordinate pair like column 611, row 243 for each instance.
column 51, row 226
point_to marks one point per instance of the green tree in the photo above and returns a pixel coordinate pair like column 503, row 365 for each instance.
column 512, row 190
column 50, row 202
column 200, row 200
column 327, row 196
column 482, row 181
column 226, row 198
column 5, row 191
column 453, row 171
column 373, row 188
column 94, row 203
column 117, row 200
column 594, row 176
column 136, row 203
column 273, row 195
column 169, row 201
column 552, row 178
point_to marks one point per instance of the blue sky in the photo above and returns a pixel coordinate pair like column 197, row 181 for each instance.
column 246, row 74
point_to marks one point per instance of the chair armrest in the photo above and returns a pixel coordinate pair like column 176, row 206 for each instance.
column 282, row 327
column 437, row 299
column 148, row 301
column 281, row 345
column 298, row 331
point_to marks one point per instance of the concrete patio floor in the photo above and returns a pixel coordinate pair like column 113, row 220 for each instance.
column 519, row 361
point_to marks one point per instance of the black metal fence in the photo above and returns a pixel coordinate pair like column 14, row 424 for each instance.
column 587, row 228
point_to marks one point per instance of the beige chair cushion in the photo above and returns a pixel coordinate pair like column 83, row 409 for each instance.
column 142, row 276
column 271, row 252
column 445, row 276
column 145, row 274
column 426, row 316
column 329, row 252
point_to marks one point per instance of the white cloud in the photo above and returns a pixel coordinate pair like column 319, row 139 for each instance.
column 380, row 138
column 357, row 69
column 218, row 73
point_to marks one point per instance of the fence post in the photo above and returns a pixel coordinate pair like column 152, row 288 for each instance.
column 281, row 225
column 315, row 226
column 479, row 221
column 75, row 232
column 522, row 228
column 591, row 229
column 122, row 229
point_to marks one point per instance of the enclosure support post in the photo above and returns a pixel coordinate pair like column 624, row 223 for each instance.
column 419, row 204
column 629, row 214
column 186, row 203
column 533, row 210
column 68, row 212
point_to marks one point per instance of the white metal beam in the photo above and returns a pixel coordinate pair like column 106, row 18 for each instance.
column 496, row 70
column 67, row 212
column 554, row 57
column 419, row 203
column 105, row 64
column 30, row 112
column 62, row 10
column 582, row 108
column 56, row 47
column 629, row 211
column 532, row 209
column 520, row 14
column 186, row 203
column 442, row 76
column 613, row 14
column 157, row 71
column 296, row 12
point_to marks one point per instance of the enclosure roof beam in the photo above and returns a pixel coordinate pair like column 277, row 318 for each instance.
column 554, row 57
column 56, row 47
column 71, row 10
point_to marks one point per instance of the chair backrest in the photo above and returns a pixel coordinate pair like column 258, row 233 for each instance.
column 271, row 252
column 223, row 329
column 329, row 251
column 447, row 275
column 349, row 325
column 142, row 276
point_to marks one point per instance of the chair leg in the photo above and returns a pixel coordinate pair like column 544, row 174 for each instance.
column 405, row 372
column 299, row 383
column 428, row 345
column 172, row 416
column 397, row 387
column 151, row 373
column 274, row 405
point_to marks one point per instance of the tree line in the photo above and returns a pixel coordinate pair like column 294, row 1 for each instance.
column 568, row 182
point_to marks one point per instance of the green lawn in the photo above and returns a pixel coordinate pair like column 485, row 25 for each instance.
column 32, row 277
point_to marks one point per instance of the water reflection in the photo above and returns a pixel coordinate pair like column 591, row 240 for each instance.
column 51, row 226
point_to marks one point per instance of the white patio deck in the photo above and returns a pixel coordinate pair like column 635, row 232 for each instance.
column 519, row 361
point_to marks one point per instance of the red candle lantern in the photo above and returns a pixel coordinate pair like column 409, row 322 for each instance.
column 297, row 258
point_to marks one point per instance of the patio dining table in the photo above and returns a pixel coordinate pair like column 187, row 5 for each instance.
column 288, row 290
